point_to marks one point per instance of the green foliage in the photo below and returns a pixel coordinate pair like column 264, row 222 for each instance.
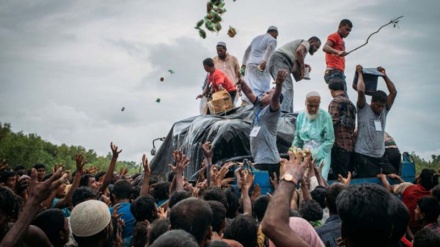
column 421, row 163
column 21, row 149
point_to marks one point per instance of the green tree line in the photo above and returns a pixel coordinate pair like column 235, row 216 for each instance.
column 29, row 149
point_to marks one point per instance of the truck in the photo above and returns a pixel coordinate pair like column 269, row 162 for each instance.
column 229, row 135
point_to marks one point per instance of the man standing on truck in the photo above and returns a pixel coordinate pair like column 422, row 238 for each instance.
column 334, row 49
column 255, row 59
column 263, row 136
column 217, row 80
column 371, row 118
column 343, row 113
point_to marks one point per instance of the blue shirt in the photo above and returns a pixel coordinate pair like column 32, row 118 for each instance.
column 128, row 218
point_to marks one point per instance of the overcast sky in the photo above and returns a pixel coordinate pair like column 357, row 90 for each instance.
column 68, row 67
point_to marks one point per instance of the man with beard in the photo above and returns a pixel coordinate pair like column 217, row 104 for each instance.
column 255, row 59
column 370, row 144
column 227, row 63
column 291, row 57
column 314, row 131
column 335, row 53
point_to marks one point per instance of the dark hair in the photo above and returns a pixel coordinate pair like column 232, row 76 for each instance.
column 82, row 194
column 94, row 239
column 332, row 193
column 208, row 62
column 379, row 96
column 215, row 194
column 233, row 203
column 314, row 38
column 192, row 215
column 218, row 216
column 140, row 234
column 430, row 207
column 20, row 167
column 84, row 181
column 178, row 196
column 260, row 206
column 428, row 180
column 99, row 175
column 244, row 229
column 122, row 189
column 161, row 191
column 158, row 227
column 436, row 192
column 426, row 238
column 39, row 165
column 401, row 220
column 9, row 203
column 5, row 175
column 175, row 238
column 144, row 208
column 318, row 194
column 310, row 210
column 336, row 85
column 360, row 208
column 345, row 22
column 51, row 221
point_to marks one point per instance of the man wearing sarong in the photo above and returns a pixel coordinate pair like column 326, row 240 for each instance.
column 255, row 59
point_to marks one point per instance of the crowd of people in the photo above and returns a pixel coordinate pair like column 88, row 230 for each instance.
column 225, row 206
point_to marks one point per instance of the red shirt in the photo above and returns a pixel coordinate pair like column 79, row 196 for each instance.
column 332, row 60
column 217, row 78
column 410, row 196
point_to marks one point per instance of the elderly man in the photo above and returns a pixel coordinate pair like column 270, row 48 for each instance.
column 335, row 53
column 370, row 144
column 254, row 61
column 291, row 57
column 314, row 131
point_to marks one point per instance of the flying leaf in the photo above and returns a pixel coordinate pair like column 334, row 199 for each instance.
column 202, row 33
column 123, row 108
column 199, row 24
column 171, row 71
column 158, row 100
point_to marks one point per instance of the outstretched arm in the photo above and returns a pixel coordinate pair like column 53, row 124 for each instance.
column 246, row 90
column 275, row 101
column 38, row 192
column 146, row 180
column 111, row 168
column 360, row 88
column 391, row 88
column 275, row 224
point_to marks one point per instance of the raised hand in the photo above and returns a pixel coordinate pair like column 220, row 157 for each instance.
column 56, row 166
column 207, row 149
column 38, row 192
column 181, row 162
column 115, row 151
column 274, row 181
column 80, row 162
column 281, row 76
column 3, row 165
column 345, row 181
column 256, row 192
column 145, row 164
column 382, row 70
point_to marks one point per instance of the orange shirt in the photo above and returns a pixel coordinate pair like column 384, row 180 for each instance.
column 217, row 78
column 332, row 60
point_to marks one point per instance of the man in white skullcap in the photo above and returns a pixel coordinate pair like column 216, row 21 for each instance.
column 314, row 130
column 91, row 223
column 254, row 62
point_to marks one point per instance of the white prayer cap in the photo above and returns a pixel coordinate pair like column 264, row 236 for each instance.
column 313, row 94
column 89, row 218
column 223, row 44
column 272, row 28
